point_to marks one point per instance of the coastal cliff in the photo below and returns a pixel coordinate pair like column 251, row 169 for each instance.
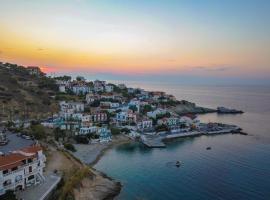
column 79, row 181
column 97, row 186
column 185, row 107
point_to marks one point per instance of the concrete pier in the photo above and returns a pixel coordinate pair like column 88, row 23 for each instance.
column 153, row 142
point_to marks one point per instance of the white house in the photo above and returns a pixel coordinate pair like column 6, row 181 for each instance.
column 88, row 130
column 169, row 121
column 122, row 86
column 99, row 117
column 68, row 108
column 109, row 88
column 158, row 111
column 63, row 82
column 189, row 122
column 99, row 85
column 62, row 88
column 74, row 106
column 90, row 98
column 77, row 116
column 104, row 135
column 80, row 89
column 107, row 104
column 114, row 105
column 126, row 116
column 144, row 124
column 21, row 169
column 86, row 120
column 131, row 90
column 135, row 102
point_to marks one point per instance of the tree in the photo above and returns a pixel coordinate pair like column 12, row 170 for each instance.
column 58, row 133
column 133, row 108
column 95, row 103
column 81, row 139
column 70, row 147
column 80, row 78
column 162, row 127
column 9, row 195
column 63, row 78
column 115, row 131
column 125, row 130
column 38, row 131
column 146, row 108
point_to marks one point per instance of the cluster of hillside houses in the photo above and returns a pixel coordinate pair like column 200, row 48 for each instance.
column 106, row 105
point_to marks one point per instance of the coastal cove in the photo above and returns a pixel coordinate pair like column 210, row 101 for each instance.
column 238, row 163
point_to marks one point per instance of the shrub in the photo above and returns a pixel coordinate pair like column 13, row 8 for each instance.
column 133, row 108
column 162, row 127
column 70, row 147
column 125, row 130
column 38, row 131
column 81, row 139
column 9, row 195
column 115, row 131
column 72, row 182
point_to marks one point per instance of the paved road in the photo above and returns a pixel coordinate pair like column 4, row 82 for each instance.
column 40, row 192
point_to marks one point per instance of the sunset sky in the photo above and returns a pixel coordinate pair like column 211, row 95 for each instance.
column 206, row 40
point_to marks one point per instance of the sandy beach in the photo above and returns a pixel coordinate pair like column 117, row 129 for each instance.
column 90, row 153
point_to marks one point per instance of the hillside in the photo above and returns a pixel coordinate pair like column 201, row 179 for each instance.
column 25, row 96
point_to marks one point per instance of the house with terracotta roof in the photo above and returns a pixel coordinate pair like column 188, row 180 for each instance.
column 21, row 169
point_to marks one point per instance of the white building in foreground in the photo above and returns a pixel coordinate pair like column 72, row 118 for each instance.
column 22, row 168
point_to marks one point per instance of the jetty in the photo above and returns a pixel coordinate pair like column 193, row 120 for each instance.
column 156, row 140
column 153, row 142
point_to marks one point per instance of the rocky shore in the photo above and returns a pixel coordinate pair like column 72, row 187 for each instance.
column 188, row 107
column 98, row 185
column 80, row 179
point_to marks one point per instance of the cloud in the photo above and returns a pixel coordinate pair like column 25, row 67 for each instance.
column 40, row 49
column 171, row 60
column 1, row 52
column 213, row 69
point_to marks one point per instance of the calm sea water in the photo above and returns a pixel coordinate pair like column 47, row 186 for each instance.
column 237, row 167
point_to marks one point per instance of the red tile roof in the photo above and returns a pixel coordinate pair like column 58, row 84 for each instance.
column 11, row 160
column 31, row 149
column 15, row 159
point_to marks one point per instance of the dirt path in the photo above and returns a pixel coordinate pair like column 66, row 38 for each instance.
column 60, row 161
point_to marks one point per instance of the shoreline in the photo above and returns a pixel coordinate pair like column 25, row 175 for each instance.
column 98, row 150
column 110, row 146
column 90, row 154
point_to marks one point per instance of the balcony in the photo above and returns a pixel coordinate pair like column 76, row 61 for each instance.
column 13, row 172
column 21, row 168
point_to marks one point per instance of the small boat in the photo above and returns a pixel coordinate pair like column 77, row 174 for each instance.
column 177, row 164
column 208, row 148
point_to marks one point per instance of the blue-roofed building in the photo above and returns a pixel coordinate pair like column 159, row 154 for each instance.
column 104, row 134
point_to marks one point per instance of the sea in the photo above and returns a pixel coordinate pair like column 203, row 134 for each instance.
column 237, row 166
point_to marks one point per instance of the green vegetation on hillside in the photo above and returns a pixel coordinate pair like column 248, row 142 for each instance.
column 25, row 96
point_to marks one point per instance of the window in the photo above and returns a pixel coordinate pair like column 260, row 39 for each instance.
column 30, row 169
column 31, row 177
column 7, row 182
column 5, row 171
column 30, row 160
column 18, row 178
column 14, row 168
